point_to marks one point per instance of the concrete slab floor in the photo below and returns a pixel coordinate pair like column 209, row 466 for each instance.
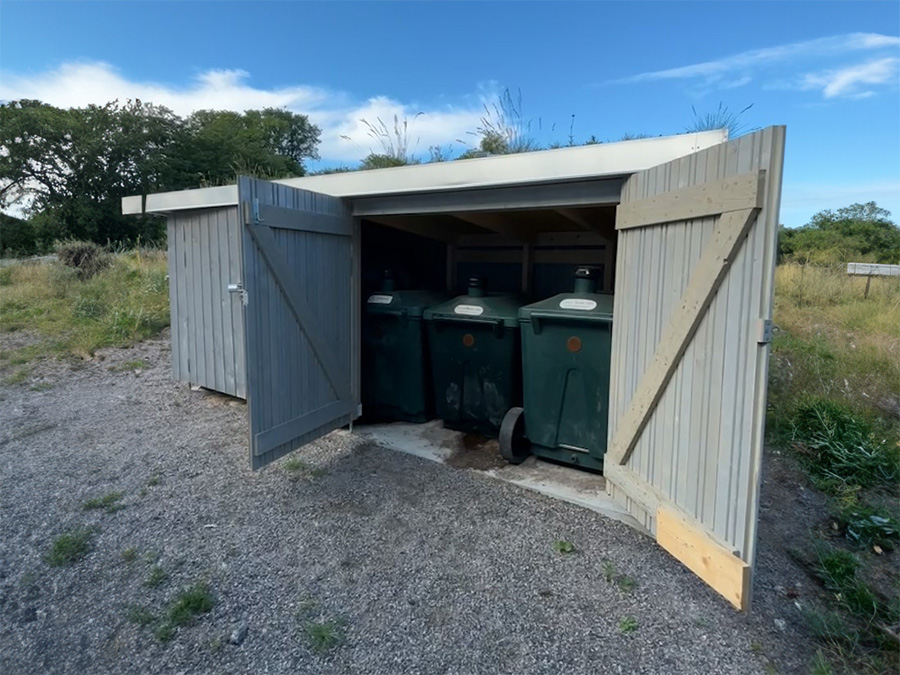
column 433, row 442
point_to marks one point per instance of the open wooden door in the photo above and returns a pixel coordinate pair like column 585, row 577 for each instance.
column 301, row 320
column 694, row 290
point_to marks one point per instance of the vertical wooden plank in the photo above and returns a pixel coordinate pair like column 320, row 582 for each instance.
column 227, row 304
column 236, row 265
column 172, row 264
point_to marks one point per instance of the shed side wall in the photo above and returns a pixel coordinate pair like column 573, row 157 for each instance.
column 207, row 322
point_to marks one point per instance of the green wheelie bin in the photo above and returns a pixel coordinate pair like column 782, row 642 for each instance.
column 396, row 376
column 475, row 359
column 566, row 345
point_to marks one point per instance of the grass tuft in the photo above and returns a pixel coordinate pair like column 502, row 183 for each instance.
column 108, row 502
column 324, row 635
column 70, row 547
column 140, row 615
column 190, row 603
column 563, row 547
column 155, row 577
column 627, row 625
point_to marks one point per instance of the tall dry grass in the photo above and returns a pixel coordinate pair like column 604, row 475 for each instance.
column 834, row 343
column 124, row 302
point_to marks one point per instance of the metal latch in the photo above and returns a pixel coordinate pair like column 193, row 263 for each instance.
column 238, row 288
column 765, row 331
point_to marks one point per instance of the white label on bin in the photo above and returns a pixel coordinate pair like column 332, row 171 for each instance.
column 578, row 303
column 381, row 299
column 468, row 310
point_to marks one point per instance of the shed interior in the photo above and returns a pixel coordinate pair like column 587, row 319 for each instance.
column 530, row 252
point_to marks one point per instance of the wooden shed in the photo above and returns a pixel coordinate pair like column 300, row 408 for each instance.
column 266, row 281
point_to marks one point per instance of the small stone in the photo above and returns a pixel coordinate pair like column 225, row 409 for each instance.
column 780, row 624
column 878, row 550
column 239, row 633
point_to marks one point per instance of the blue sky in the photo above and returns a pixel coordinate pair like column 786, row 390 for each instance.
column 828, row 70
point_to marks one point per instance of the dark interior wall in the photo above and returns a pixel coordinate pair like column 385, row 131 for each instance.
column 418, row 262
column 415, row 262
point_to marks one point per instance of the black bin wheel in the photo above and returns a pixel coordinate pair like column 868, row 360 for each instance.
column 514, row 447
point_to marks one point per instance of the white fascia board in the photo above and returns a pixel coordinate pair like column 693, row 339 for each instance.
column 546, row 166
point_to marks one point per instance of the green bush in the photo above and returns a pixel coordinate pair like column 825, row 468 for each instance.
column 840, row 449
column 84, row 256
column 17, row 236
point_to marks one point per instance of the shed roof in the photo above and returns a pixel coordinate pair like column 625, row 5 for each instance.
column 603, row 160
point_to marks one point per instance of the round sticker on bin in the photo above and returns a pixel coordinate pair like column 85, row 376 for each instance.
column 469, row 310
column 381, row 299
column 578, row 303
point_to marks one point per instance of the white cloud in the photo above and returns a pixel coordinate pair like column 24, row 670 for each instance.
column 736, row 70
column 853, row 80
column 80, row 84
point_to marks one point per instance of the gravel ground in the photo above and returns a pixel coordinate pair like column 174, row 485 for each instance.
column 416, row 567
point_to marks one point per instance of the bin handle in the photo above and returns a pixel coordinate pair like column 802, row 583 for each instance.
column 538, row 317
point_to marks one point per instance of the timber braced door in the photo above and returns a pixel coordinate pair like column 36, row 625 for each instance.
column 694, row 290
column 301, row 321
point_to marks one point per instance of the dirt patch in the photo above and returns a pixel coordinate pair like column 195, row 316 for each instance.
column 477, row 452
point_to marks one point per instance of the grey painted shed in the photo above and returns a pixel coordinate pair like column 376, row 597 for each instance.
column 266, row 281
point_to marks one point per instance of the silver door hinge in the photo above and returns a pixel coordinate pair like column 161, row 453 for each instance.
column 765, row 331
column 239, row 288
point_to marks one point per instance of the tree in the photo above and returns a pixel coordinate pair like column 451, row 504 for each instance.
column 69, row 169
column 269, row 143
column 855, row 233
column 74, row 165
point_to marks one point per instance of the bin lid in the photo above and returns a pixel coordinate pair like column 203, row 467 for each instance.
column 571, row 306
column 395, row 303
column 477, row 306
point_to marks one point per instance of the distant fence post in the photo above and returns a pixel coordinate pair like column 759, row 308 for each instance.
column 870, row 270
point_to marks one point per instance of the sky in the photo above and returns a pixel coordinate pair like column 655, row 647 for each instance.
column 830, row 71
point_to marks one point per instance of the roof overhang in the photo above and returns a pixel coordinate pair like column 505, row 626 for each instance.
column 564, row 165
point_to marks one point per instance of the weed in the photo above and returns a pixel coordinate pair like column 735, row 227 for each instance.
column 626, row 583
column 562, row 546
column 306, row 605
column 867, row 526
column 89, row 308
column 609, row 571
column 627, row 625
column 154, row 480
column 142, row 492
column 296, row 467
column 109, row 502
column 839, row 449
column 323, row 635
column 6, row 276
column 129, row 554
column 164, row 631
column 70, row 547
column 18, row 377
column 128, row 366
column 820, row 665
column 155, row 577
column 42, row 386
column 190, row 603
column 140, row 615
